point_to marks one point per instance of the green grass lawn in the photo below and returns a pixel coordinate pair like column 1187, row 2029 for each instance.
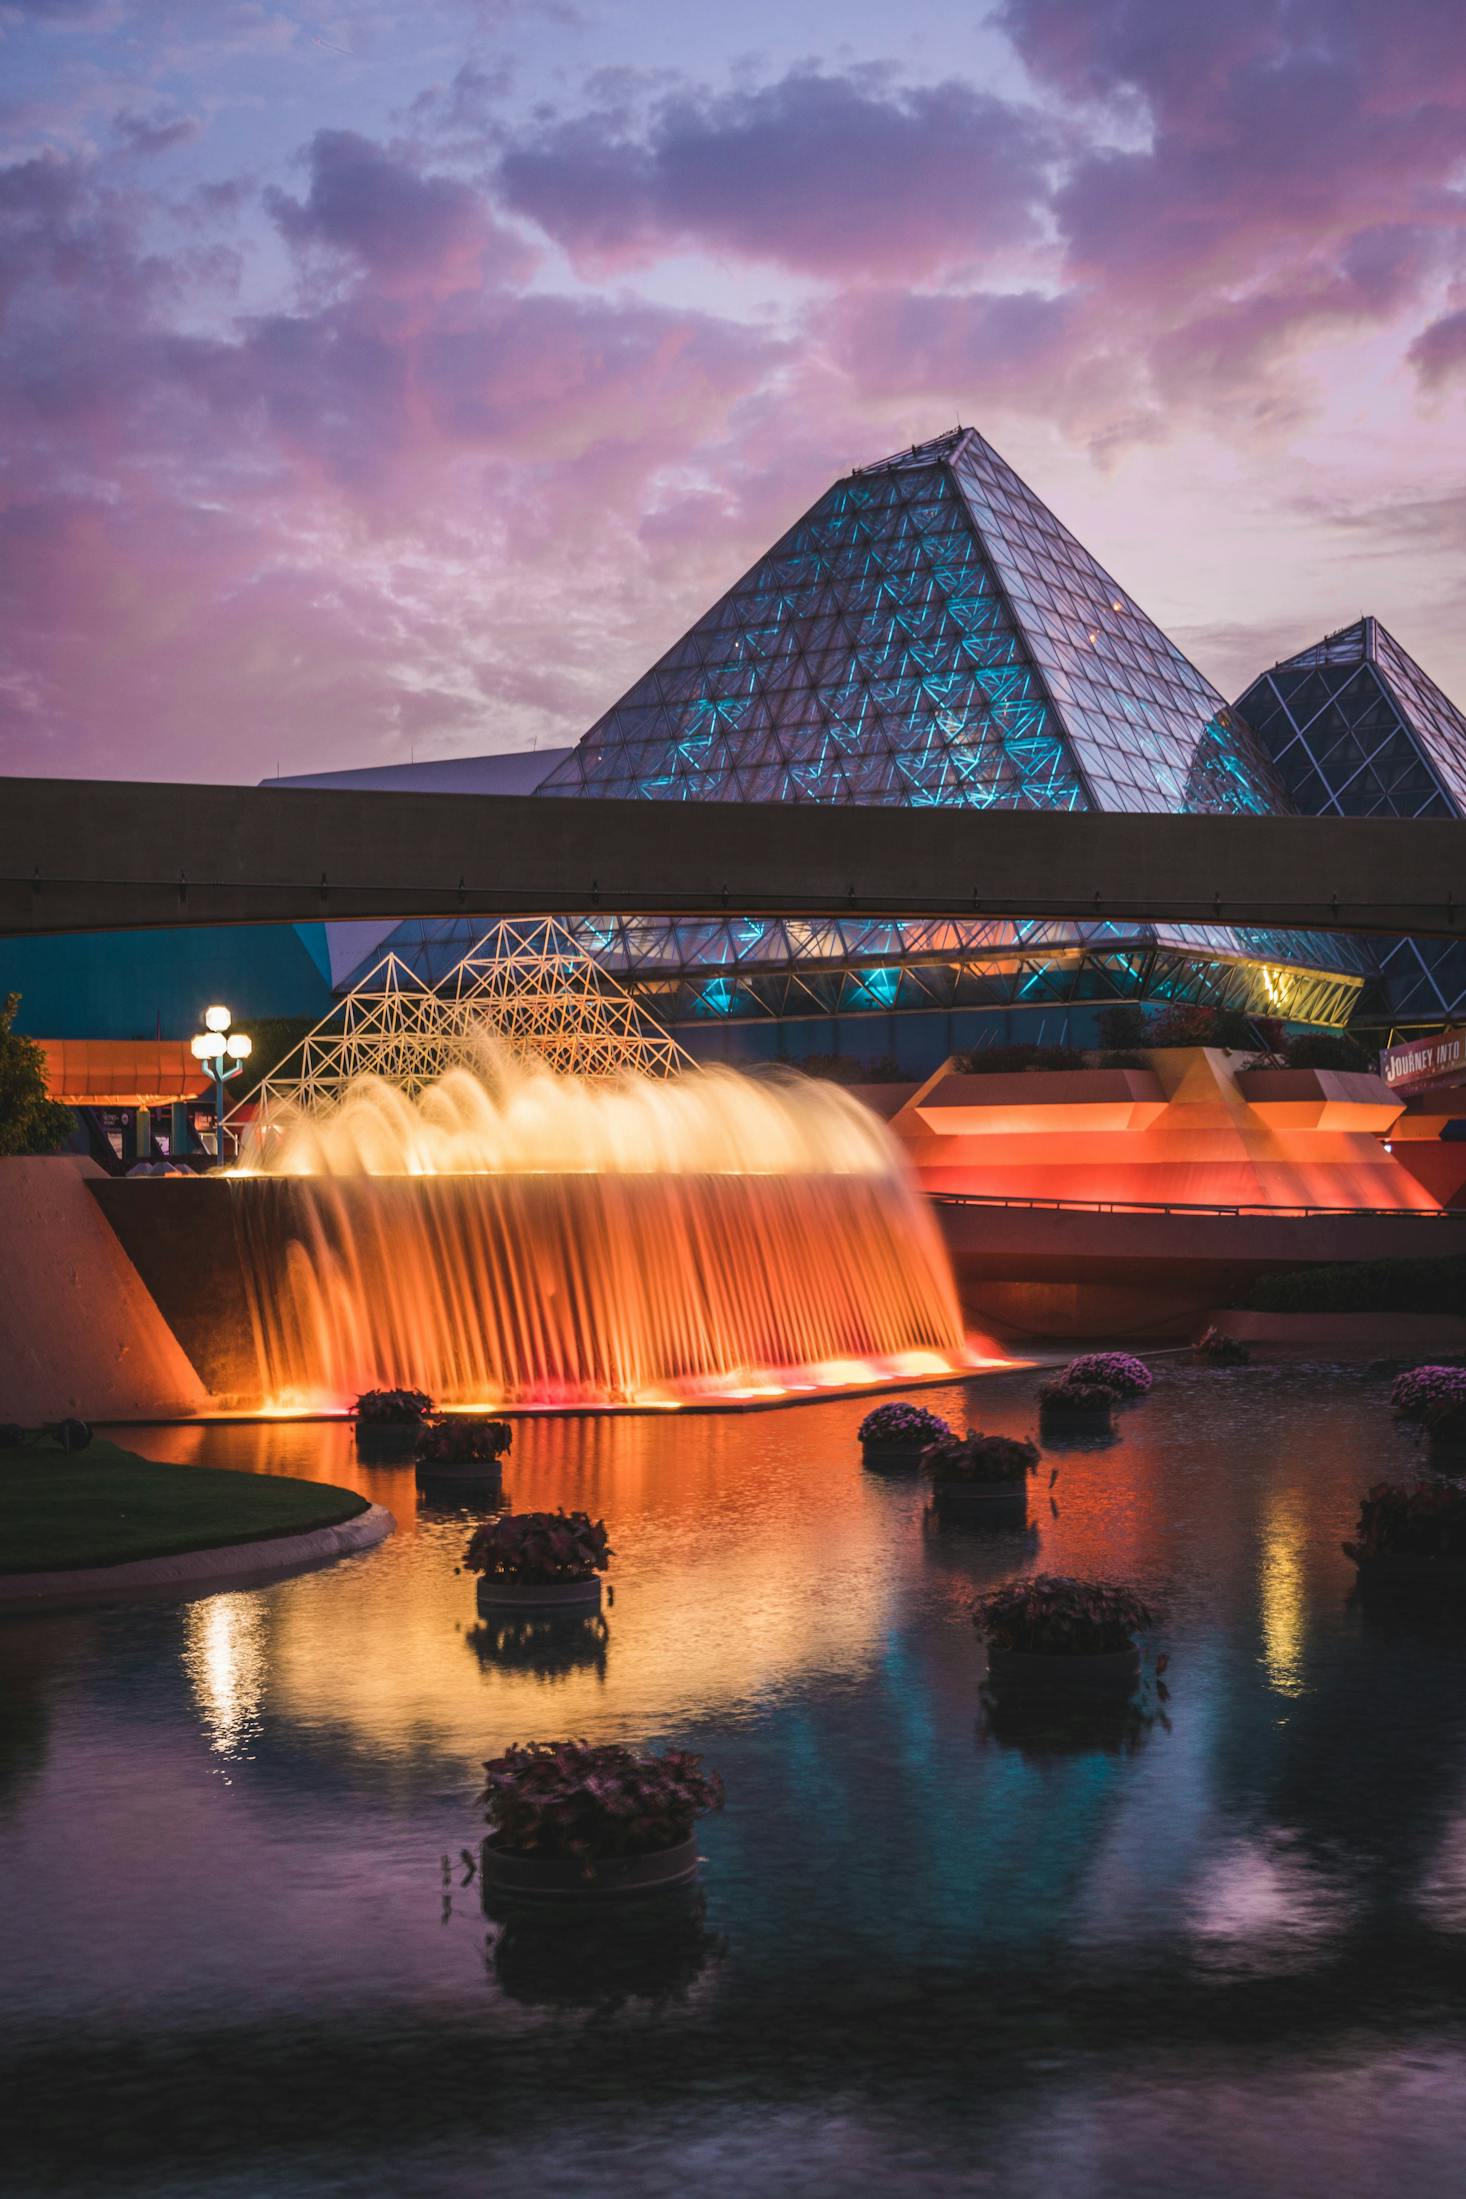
column 105, row 1506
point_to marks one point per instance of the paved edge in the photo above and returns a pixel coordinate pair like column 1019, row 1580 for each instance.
column 220, row 1567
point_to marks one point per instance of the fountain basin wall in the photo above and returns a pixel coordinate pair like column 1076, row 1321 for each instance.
column 535, row 1288
column 79, row 1334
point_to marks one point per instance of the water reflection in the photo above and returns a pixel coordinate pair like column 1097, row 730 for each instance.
column 903, row 1875
column 1281, row 1592
column 225, row 1659
column 636, row 1957
column 1266, row 1903
column 549, row 1647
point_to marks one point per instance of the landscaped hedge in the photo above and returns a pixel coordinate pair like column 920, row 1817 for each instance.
column 1364, row 1286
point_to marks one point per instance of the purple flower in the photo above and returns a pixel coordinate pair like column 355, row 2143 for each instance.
column 1118, row 1370
column 905, row 1424
column 1420, row 1392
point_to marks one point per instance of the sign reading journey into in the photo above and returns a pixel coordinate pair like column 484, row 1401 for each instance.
column 1426, row 1062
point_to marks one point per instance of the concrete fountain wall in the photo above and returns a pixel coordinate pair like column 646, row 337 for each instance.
column 79, row 1331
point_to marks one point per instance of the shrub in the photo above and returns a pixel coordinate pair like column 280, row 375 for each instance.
column 1007, row 1061
column 1052, row 1614
column 539, row 1549
column 846, row 1069
column 1122, row 1024
column 30, row 1120
column 904, row 1424
column 1420, row 1392
column 980, row 1458
column 1222, row 1350
column 1327, row 1050
column 392, row 1408
column 1077, row 1397
column 1365, row 1286
column 462, row 1442
column 1185, row 1023
column 1425, row 1520
column 1120, row 1371
column 1122, row 1059
column 568, row 1800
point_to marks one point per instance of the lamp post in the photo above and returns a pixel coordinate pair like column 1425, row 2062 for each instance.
column 215, row 1044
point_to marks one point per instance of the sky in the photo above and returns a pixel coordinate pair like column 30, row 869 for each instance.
column 399, row 379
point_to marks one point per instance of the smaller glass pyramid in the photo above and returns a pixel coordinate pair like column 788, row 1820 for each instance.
column 1355, row 728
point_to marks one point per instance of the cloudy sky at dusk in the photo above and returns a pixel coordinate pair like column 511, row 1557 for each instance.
column 408, row 374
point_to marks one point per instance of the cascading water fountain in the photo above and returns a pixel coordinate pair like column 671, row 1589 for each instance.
column 514, row 1236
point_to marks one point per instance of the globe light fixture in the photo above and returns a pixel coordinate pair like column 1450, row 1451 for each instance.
column 212, row 1046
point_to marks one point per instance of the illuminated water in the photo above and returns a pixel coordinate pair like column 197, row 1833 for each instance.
column 517, row 1236
column 1224, row 1954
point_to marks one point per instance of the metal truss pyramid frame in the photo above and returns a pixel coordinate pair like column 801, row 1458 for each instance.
column 526, row 983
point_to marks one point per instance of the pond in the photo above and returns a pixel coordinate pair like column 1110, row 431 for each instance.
column 1218, row 1945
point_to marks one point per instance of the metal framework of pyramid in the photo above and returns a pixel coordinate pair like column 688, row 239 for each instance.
column 1355, row 728
column 928, row 632
column 526, row 982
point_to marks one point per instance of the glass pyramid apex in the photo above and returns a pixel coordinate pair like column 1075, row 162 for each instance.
column 927, row 632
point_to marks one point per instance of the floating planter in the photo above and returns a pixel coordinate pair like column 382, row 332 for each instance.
column 388, row 1424
column 1053, row 1631
column 1077, row 1406
column 1446, row 1428
column 539, row 1561
column 980, row 1473
column 1413, row 1534
column 462, row 1454
column 897, row 1435
column 1421, row 1392
column 570, row 1821
column 1120, row 1371
column 1221, row 1350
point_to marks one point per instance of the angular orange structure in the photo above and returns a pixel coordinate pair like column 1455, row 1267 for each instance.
column 1112, row 1201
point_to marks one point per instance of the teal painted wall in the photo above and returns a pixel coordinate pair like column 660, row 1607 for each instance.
column 145, row 984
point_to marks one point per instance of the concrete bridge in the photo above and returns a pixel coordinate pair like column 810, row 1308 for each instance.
column 86, row 855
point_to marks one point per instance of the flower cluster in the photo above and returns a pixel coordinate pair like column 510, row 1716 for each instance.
column 1056, row 1615
column 570, row 1799
column 539, row 1549
column 392, row 1408
column 1426, row 1520
column 462, row 1442
column 905, row 1424
column 1421, row 1391
column 1077, row 1397
column 980, row 1458
column 1118, row 1370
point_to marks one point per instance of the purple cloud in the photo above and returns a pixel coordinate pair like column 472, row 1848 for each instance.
column 1438, row 353
column 842, row 176
column 400, row 225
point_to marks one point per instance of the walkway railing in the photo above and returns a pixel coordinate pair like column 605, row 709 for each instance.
column 1181, row 1207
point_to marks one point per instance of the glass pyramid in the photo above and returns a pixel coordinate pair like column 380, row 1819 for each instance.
column 928, row 632
column 1355, row 728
